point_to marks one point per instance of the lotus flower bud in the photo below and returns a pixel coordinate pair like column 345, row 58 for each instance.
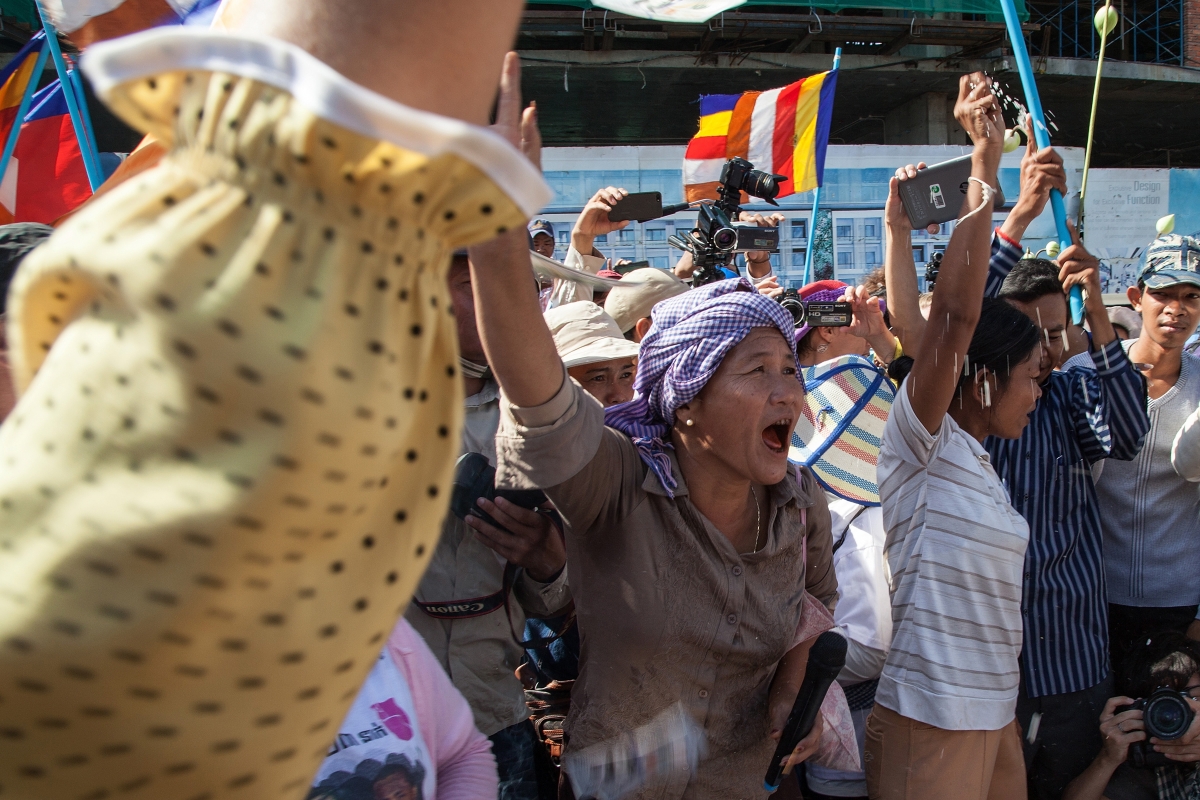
column 1165, row 225
column 1053, row 249
column 1011, row 140
column 1106, row 20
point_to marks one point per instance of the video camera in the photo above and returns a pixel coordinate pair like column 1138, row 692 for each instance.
column 1166, row 715
column 716, row 237
column 815, row 315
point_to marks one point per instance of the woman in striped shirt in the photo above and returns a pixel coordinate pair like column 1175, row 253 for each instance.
column 943, row 723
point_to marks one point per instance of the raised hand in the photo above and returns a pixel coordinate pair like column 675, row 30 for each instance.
column 978, row 112
column 518, row 126
column 893, row 211
column 528, row 539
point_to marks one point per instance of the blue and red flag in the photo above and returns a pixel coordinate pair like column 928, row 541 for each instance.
column 46, row 177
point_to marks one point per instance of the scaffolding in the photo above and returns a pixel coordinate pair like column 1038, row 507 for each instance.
column 1150, row 30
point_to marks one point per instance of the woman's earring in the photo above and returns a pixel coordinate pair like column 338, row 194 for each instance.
column 689, row 422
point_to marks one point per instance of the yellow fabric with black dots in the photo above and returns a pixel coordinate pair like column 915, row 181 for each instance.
column 233, row 450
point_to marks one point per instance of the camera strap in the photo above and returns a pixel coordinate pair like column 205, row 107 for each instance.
column 482, row 606
column 464, row 609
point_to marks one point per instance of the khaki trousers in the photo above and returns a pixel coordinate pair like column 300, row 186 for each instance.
column 909, row 760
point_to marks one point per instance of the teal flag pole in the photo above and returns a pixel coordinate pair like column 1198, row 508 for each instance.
column 81, row 96
column 10, row 145
column 91, row 162
column 1041, row 135
column 812, row 219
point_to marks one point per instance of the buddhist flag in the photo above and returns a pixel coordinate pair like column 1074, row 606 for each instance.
column 784, row 131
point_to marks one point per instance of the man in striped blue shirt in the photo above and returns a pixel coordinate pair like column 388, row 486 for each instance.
column 1083, row 416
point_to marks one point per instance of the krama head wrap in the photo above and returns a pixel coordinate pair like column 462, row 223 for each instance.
column 690, row 337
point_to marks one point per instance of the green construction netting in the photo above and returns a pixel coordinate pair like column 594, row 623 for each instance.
column 21, row 11
column 989, row 7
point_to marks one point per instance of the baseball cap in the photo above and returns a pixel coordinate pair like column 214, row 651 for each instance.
column 1170, row 260
column 584, row 334
column 819, row 292
column 16, row 241
column 541, row 226
column 627, row 304
column 840, row 430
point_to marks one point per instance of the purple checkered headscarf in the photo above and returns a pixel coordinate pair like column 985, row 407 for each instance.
column 690, row 337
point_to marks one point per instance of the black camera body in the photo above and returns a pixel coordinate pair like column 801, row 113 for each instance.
column 815, row 315
column 1166, row 715
column 716, row 236
column 932, row 269
column 475, row 478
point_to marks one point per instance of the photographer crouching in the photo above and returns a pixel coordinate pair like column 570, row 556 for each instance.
column 1151, row 743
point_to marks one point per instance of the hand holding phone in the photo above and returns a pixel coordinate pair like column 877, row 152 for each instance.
column 640, row 206
column 935, row 195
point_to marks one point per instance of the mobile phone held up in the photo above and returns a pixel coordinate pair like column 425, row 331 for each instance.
column 937, row 193
column 640, row 207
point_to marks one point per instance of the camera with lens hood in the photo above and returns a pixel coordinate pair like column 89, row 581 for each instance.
column 1166, row 715
column 717, row 237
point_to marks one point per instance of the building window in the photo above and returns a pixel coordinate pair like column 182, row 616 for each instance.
column 564, row 236
column 871, row 228
column 871, row 258
column 660, row 262
column 601, row 239
column 845, row 258
column 845, row 231
column 627, row 235
column 799, row 229
column 918, row 255
column 656, row 234
column 798, row 257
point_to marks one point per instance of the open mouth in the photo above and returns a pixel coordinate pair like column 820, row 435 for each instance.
column 776, row 436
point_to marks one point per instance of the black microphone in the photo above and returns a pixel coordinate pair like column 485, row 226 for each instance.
column 825, row 661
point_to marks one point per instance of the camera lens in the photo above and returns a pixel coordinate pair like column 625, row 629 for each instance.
column 792, row 304
column 760, row 184
column 1167, row 715
column 725, row 239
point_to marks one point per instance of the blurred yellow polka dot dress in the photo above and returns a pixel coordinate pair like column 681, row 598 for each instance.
column 239, row 415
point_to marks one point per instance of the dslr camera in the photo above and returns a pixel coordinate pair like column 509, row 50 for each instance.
column 475, row 478
column 716, row 236
column 1166, row 715
column 816, row 315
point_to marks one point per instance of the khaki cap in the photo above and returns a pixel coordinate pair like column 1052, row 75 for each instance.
column 628, row 304
column 584, row 334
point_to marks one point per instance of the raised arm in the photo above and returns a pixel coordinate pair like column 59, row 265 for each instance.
column 959, row 294
column 518, row 344
column 1041, row 171
column 899, row 269
column 1108, row 403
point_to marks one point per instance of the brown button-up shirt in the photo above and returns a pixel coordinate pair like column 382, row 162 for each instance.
column 668, row 610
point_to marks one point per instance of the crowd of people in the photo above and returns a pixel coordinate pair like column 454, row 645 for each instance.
column 311, row 486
